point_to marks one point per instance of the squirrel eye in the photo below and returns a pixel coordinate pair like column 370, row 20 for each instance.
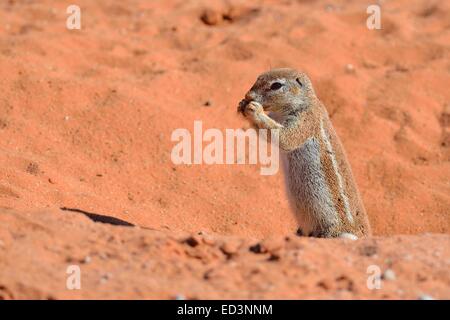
column 275, row 86
column 299, row 82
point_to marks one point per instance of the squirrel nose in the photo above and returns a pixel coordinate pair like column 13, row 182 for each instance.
column 250, row 96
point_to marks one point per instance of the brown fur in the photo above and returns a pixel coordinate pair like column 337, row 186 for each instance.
column 304, row 118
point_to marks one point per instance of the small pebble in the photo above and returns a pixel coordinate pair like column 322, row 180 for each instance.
column 257, row 248
column 103, row 255
column 230, row 247
column 192, row 241
column 207, row 239
column 425, row 297
column 350, row 68
column 211, row 17
column 369, row 64
column 179, row 296
column 272, row 244
column 389, row 274
column 105, row 277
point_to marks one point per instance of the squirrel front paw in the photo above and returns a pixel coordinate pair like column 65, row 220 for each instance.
column 248, row 108
column 253, row 108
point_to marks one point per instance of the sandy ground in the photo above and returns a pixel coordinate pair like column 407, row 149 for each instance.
column 86, row 118
column 128, row 262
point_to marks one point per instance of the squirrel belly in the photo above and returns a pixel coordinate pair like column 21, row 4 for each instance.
column 308, row 193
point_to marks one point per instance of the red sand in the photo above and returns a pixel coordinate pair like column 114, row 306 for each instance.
column 86, row 118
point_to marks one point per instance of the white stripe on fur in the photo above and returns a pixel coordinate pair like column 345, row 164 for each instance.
column 336, row 171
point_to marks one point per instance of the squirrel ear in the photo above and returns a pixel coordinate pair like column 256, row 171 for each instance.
column 299, row 82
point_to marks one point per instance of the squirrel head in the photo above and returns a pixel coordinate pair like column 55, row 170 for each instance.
column 282, row 91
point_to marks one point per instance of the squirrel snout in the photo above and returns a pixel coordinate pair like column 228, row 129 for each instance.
column 242, row 105
column 250, row 96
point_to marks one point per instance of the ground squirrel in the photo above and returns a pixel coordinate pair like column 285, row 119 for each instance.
column 322, row 191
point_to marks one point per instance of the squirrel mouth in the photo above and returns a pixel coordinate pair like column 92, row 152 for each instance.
column 242, row 105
